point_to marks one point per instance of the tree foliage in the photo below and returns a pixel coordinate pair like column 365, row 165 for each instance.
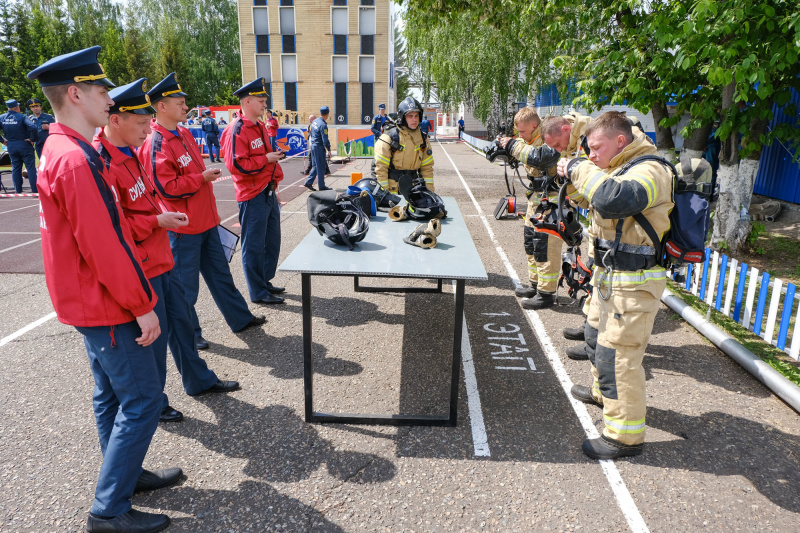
column 149, row 38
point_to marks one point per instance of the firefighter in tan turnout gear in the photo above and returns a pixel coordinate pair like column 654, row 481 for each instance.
column 542, row 248
column 404, row 149
column 565, row 134
column 628, row 279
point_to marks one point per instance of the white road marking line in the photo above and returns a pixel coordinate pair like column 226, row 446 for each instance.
column 20, row 245
column 480, row 441
column 20, row 233
column 510, row 368
column 19, row 208
column 624, row 499
column 20, row 332
column 530, row 363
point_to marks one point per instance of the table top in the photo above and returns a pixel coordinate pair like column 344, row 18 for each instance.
column 383, row 253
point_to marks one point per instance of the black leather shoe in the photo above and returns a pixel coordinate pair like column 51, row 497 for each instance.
column 525, row 291
column 310, row 188
column 201, row 343
column 605, row 448
column 220, row 386
column 255, row 321
column 325, row 188
column 275, row 289
column 540, row 301
column 131, row 522
column 577, row 353
column 157, row 479
column 168, row 414
column 270, row 299
column 574, row 334
column 584, row 394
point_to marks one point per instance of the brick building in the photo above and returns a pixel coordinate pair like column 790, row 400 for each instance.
column 312, row 53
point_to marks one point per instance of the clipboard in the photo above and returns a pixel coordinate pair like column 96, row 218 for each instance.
column 229, row 241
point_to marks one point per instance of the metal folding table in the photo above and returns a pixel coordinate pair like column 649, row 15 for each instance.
column 383, row 254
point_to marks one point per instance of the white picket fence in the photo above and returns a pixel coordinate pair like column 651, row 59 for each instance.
column 736, row 290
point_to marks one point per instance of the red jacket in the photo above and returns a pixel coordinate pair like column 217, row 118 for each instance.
column 92, row 270
column 245, row 149
column 140, row 204
column 176, row 167
column 272, row 127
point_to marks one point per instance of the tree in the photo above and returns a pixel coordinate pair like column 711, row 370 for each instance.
column 401, row 81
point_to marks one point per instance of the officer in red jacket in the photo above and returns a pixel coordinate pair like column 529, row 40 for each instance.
column 171, row 156
column 97, row 284
column 256, row 174
column 128, row 127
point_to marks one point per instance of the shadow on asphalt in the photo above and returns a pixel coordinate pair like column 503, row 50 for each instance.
column 724, row 445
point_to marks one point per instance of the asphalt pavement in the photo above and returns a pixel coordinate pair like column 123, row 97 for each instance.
column 721, row 453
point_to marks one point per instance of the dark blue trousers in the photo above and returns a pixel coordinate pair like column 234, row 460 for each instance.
column 318, row 152
column 127, row 403
column 39, row 148
column 177, row 331
column 22, row 152
column 211, row 142
column 203, row 254
column 260, row 218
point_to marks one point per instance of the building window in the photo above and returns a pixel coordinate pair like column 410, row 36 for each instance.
column 287, row 20
column 263, row 67
column 340, row 2
column 366, row 69
column 287, row 2
column 367, row 90
column 340, row 103
column 367, row 2
column 366, row 21
column 368, row 44
column 339, row 67
column 260, row 21
column 289, row 68
column 259, row 2
column 339, row 23
column 288, row 44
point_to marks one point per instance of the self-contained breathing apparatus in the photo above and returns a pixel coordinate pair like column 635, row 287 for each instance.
column 559, row 219
column 684, row 241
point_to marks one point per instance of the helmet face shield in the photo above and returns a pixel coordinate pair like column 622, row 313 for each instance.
column 339, row 219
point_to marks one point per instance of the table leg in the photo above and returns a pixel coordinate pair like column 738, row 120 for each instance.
column 458, row 330
column 357, row 287
column 308, row 361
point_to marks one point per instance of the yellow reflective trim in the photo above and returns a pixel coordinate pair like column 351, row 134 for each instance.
column 382, row 159
column 634, row 278
column 533, row 268
column 416, row 148
column 592, row 184
column 428, row 161
column 649, row 185
column 548, row 276
column 625, row 426
column 384, row 183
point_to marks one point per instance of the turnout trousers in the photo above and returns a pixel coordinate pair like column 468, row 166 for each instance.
column 203, row 254
column 260, row 218
column 177, row 331
column 319, row 165
column 544, row 253
column 617, row 331
column 127, row 404
column 21, row 152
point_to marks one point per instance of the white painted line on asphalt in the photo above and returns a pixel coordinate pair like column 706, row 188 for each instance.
column 19, row 208
column 628, row 506
column 20, row 332
column 530, row 363
column 510, row 368
column 20, row 245
column 230, row 218
column 480, row 441
column 20, row 233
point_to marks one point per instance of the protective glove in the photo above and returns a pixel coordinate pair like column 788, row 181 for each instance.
column 421, row 237
column 571, row 166
column 398, row 213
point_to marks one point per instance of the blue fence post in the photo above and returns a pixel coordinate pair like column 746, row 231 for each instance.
column 723, row 269
column 689, row 270
column 704, row 279
column 786, row 316
column 740, row 292
column 763, row 291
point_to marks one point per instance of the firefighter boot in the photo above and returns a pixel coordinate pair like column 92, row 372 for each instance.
column 540, row 301
column 605, row 448
column 575, row 334
column 577, row 353
column 584, row 394
column 525, row 291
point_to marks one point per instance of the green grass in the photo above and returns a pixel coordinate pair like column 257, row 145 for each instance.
column 771, row 355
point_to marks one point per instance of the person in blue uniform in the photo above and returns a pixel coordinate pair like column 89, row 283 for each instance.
column 18, row 133
column 425, row 126
column 318, row 144
column 209, row 126
column 42, row 122
column 379, row 120
column 460, row 127
column 112, row 306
